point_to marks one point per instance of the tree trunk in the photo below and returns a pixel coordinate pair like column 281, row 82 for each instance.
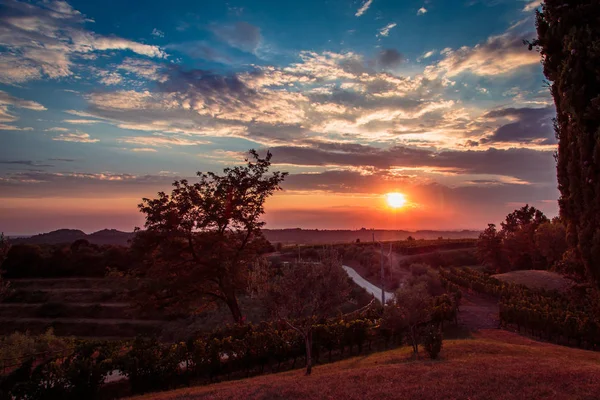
column 308, row 341
column 234, row 308
column 415, row 344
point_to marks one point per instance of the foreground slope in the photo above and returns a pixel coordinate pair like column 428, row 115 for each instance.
column 494, row 365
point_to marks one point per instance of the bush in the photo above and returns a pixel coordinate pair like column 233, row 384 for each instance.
column 432, row 340
column 20, row 346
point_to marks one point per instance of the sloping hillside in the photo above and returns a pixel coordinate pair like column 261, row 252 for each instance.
column 495, row 365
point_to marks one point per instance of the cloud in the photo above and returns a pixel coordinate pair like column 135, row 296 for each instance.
column 7, row 99
column 7, row 103
column 334, row 96
column 529, row 125
column 110, row 78
column 103, row 43
column 427, row 55
column 385, row 31
column 160, row 141
column 363, row 9
column 48, row 40
column 143, row 150
column 77, row 137
column 240, row 35
column 421, row 11
column 520, row 163
column 78, row 184
column 158, row 33
column 28, row 163
column 5, row 127
column 62, row 159
column 144, row 69
column 498, row 55
column 389, row 58
column 81, row 121
column 532, row 5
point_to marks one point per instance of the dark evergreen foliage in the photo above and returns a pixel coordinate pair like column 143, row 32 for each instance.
column 569, row 41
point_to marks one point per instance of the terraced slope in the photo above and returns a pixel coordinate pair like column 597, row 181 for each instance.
column 83, row 307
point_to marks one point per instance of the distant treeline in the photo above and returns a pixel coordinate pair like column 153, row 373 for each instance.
column 80, row 258
column 284, row 236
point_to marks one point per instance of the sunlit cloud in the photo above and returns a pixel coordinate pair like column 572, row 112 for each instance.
column 363, row 9
column 499, row 55
column 160, row 141
column 41, row 42
column 385, row 31
column 77, row 137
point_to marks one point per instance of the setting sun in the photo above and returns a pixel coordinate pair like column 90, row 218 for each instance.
column 396, row 200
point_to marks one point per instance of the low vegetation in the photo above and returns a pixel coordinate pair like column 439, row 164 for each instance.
column 565, row 318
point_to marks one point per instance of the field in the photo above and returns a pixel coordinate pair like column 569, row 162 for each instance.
column 494, row 364
column 534, row 279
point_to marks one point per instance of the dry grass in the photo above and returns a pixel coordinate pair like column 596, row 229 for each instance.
column 534, row 279
column 495, row 365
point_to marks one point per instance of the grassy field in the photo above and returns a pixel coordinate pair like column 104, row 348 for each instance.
column 494, row 364
column 534, row 279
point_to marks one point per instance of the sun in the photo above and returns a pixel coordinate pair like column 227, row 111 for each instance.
column 395, row 200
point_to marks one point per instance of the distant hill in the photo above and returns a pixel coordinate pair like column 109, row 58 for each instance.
column 105, row 236
column 285, row 236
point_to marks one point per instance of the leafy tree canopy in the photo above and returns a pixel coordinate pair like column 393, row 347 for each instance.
column 200, row 239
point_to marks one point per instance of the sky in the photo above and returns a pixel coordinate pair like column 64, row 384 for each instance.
column 105, row 102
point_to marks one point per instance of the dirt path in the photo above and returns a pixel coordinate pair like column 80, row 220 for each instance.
column 368, row 286
column 477, row 311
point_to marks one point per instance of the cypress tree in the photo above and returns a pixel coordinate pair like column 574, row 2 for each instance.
column 569, row 41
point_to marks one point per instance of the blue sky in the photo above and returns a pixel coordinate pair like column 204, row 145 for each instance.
column 102, row 103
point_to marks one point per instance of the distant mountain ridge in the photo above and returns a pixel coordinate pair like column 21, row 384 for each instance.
column 60, row 236
column 285, row 236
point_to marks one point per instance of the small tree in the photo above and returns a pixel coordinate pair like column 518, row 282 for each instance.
column 414, row 304
column 301, row 294
column 489, row 248
column 201, row 239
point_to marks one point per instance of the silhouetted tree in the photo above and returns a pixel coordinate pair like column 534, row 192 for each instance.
column 514, row 246
column 201, row 239
column 489, row 248
column 518, row 232
column 301, row 294
column 569, row 41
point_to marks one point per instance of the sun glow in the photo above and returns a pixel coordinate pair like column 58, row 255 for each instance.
column 395, row 200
